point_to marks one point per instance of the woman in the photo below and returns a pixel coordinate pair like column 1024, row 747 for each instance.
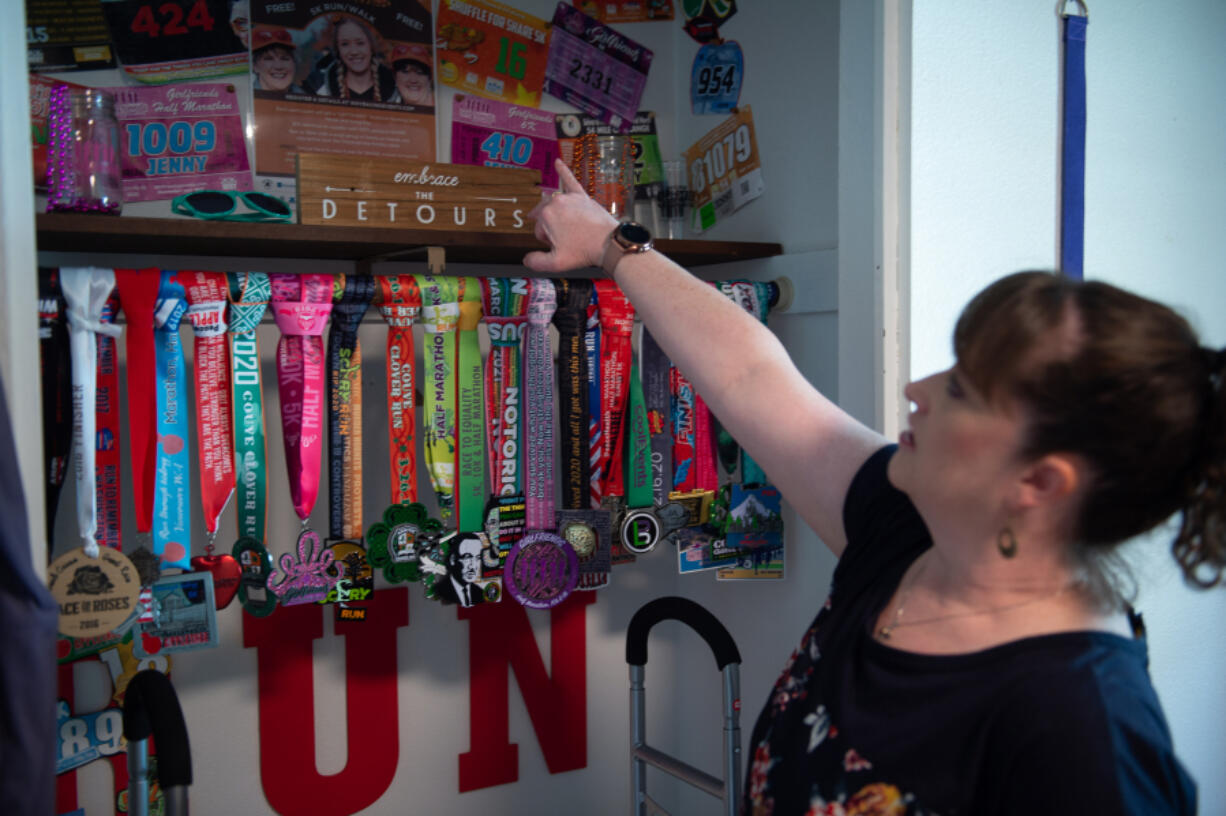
column 974, row 655
column 353, row 72
column 272, row 60
column 411, row 64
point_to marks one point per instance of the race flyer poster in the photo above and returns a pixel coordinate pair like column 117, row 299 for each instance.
column 626, row 11
column 492, row 50
column 67, row 35
column 725, row 173
column 177, row 139
column 595, row 68
column 489, row 133
column 160, row 41
column 644, row 146
column 347, row 78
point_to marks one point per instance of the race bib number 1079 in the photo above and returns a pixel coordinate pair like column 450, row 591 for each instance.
column 725, row 173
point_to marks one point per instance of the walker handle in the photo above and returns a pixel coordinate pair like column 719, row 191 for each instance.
column 688, row 612
column 151, row 706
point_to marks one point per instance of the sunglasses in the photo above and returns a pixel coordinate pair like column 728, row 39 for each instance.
column 220, row 205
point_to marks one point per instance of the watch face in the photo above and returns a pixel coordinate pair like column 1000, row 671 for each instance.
column 633, row 233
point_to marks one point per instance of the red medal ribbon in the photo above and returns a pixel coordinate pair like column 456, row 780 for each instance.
column 138, row 292
column 207, row 295
column 399, row 301
column 616, row 327
column 106, row 461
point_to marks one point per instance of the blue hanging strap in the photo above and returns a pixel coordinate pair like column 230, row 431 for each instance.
column 1073, row 157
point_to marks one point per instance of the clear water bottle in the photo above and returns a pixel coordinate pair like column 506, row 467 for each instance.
column 84, row 172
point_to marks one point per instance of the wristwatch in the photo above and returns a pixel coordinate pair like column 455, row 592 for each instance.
column 627, row 238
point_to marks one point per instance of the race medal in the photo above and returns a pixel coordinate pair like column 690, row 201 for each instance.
column 355, row 581
column 307, row 578
column 704, row 17
column 505, row 524
column 697, row 504
column 715, row 78
column 594, row 68
column 396, row 542
column 590, row 535
column 451, row 570
column 185, row 617
column 255, row 565
column 95, row 595
column 640, row 530
column 226, row 574
column 541, row 571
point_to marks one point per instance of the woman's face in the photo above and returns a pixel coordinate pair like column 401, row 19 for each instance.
column 274, row 66
column 413, row 83
column 354, row 47
column 960, row 456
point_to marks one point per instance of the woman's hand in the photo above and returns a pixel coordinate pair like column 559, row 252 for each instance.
column 575, row 226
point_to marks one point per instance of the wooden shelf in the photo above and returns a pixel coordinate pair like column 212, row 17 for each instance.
column 65, row 232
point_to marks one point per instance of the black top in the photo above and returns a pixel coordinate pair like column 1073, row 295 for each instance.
column 1055, row 724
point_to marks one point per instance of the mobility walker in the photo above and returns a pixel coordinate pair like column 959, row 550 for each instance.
column 728, row 660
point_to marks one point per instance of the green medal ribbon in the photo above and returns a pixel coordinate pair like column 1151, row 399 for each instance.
column 249, row 296
column 440, row 316
column 639, row 491
column 470, row 459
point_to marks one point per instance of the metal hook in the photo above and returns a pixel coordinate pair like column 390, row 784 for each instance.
column 1085, row 10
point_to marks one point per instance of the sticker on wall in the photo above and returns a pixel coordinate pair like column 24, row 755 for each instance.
column 595, row 68
column 491, row 50
column 725, row 173
column 715, row 78
column 704, row 17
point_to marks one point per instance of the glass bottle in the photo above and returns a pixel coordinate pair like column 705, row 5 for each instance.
column 84, row 172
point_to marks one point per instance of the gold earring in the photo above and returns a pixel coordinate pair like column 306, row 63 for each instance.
column 1006, row 542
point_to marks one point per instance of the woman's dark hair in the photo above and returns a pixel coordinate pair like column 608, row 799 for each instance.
column 1123, row 383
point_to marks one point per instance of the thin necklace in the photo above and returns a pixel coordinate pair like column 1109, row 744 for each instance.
column 884, row 632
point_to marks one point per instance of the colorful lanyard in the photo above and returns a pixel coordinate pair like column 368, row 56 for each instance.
column 249, row 296
column 655, row 367
column 595, row 420
column 506, row 316
column 1073, row 144
column 172, row 496
column 207, row 296
column 55, row 362
column 693, row 460
column 639, row 531
column 400, row 302
column 440, row 315
column 469, row 454
column 86, row 290
column 301, row 305
column 351, row 295
column 106, row 403
column 753, row 297
column 538, row 396
column 616, row 326
column 138, row 291
column 570, row 319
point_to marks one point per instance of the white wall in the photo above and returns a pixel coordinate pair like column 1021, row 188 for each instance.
column 985, row 162
column 792, row 59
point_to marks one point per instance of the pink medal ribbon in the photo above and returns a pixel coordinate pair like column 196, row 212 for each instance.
column 301, row 305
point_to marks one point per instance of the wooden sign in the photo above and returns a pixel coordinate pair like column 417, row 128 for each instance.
column 354, row 191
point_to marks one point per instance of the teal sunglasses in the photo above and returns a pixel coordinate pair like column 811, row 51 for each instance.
column 220, row 205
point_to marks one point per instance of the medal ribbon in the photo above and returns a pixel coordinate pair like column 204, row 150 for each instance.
column 400, row 303
column 86, row 290
column 506, row 317
column 106, row 403
column 655, row 367
column 616, row 327
column 469, row 456
column 595, row 420
column 351, row 295
column 570, row 319
column 693, row 460
column 301, row 305
column 249, row 295
column 56, row 375
column 638, row 446
column 138, row 292
column 538, row 396
column 753, row 297
column 207, row 295
column 172, row 484
column 440, row 314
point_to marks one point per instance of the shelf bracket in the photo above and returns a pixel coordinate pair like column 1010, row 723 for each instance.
column 435, row 259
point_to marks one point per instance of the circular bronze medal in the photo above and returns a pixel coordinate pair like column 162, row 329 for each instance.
column 95, row 595
column 581, row 537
